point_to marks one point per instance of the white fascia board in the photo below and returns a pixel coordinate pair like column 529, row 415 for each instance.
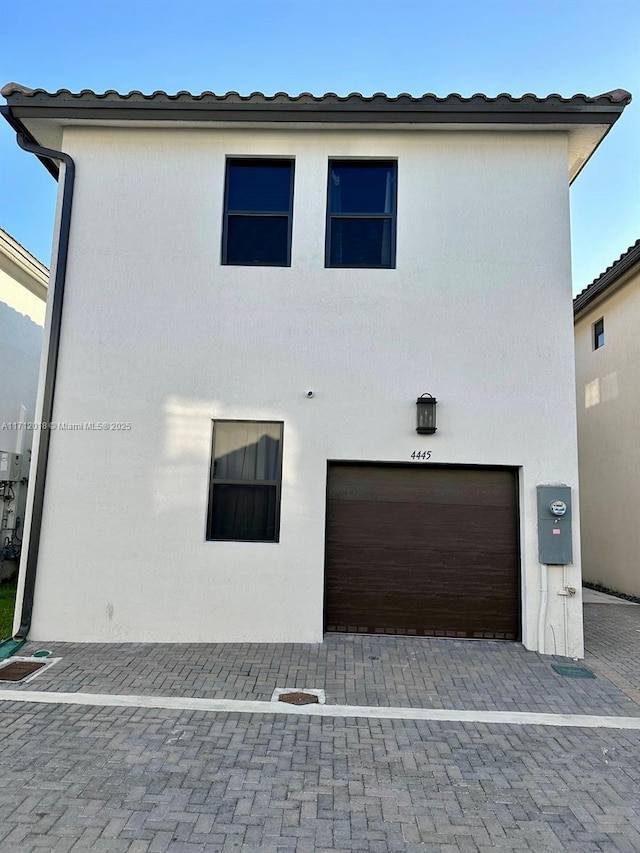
column 22, row 266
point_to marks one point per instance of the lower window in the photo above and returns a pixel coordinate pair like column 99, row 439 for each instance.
column 246, row 477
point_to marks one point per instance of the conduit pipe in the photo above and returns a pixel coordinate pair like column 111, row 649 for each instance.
column 566, row 593
column 542, row 612
column 22, row 420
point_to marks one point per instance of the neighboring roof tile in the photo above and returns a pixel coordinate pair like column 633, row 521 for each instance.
column 607, row 278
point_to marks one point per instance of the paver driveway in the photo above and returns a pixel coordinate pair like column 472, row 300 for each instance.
column 91, row 778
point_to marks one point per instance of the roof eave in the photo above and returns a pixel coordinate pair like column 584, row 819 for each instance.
column 610, row 280
column 22, row 266
column 355, row 107
column 36, row 110
column 50, row 165
column 342, row 112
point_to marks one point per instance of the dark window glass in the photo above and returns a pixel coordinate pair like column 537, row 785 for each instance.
column 361, row 214
column 362, row 188
column 598, row 334
column 245, row 483
column 244, row 513
column 258, row 240
column 360, row 243
column 259, row 186
column 258, row 213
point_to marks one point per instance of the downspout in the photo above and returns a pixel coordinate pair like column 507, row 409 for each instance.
column 31, row 562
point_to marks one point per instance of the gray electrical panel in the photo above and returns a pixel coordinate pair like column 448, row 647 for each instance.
column 9, row 467
column 554, row 525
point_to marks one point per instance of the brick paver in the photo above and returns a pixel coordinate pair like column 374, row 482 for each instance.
column 87, row 779
column 105, row 780
column 612, row 644
column 370, row 670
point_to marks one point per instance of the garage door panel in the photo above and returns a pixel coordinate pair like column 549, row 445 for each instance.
column 422, row 551
column 407, row 614
column 393, row 607
column 427, row 569
column 393, row 485
column 470, row 525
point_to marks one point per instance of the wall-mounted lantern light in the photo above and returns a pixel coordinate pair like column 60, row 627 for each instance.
column 426, row 414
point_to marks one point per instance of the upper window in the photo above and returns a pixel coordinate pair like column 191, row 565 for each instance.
column 246, row 475
column 258, row 206
column 361, row 215
column 598, row 333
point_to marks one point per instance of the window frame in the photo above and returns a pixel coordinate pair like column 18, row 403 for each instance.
column 595, row 334
column 224, row 481
column 393, row 216
column 256, row 214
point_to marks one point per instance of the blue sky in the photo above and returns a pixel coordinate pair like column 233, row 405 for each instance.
column 415, row 46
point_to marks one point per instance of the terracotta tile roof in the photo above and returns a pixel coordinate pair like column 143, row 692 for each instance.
column 617, row 96
column 26, row 108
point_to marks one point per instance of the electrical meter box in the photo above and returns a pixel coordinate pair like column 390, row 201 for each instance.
column 9, row 467
column 554, row 525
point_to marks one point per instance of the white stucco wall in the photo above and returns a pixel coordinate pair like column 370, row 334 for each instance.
column 22, row 308
column 157, row 333
column 21, row 322
column 608, row 389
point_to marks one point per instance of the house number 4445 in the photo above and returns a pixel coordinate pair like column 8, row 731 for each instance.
column 421, row 454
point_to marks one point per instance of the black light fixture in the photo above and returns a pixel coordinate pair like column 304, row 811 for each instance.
column 426, row 414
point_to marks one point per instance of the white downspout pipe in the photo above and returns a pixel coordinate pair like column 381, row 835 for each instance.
column 542, row 612
column 22, row 420
column 566, row 593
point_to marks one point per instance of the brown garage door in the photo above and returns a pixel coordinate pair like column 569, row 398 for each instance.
column 422, row 550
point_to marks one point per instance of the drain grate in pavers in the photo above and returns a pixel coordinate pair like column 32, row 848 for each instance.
column 298, row 698
column 312, row 695
column 19, row 670
column 572, row 671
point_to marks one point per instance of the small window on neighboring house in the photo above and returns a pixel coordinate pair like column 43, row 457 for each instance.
column 598, row 333
column 258, row 207
column 361, row 214
column 246, row 475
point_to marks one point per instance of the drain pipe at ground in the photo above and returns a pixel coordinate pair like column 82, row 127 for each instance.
column 565, row 592
column 53, row 347
column 542, row 612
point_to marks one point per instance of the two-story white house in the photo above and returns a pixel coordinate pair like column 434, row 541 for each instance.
column 23, row 295
column 607, row 320
column 257, row 293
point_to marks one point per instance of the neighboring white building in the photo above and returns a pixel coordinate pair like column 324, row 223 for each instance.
column 280, row 279
column 23, row 295
column 607, row 334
